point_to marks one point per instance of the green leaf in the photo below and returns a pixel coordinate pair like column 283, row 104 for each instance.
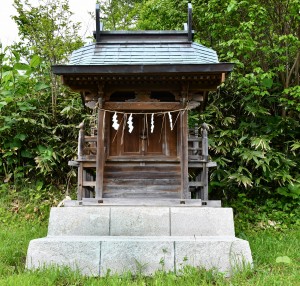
column 17, row 55
column 39, row 185
column 267, row 82
column 21, row 136
column 2, row 104
column 40, row 86
column 35, row 61
column 26, row 154
column 231, row 6
column 295, row 146
column 25, row 106
column 20, row 66
column 283, row 259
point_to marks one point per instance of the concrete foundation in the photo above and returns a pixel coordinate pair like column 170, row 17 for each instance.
column 140, row 239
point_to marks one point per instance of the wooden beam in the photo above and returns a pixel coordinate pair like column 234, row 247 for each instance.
column 140, row 106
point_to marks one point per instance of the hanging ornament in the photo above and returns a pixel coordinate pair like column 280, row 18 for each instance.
column 115, row 121
column 130, row 123
column 171, row 122
column 152, row 122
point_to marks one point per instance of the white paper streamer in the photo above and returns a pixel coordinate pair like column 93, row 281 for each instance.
column 130, row 123
column 115, row 121
column 171, row 122
column 152, row 122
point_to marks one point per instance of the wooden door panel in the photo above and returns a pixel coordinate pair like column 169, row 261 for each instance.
column 131, row 141
column 141, row 142
column 155, row 140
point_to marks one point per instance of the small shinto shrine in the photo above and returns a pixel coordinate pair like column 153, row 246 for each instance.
column 142, row 189
column 142, row 84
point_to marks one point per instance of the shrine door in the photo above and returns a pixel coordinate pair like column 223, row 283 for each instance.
column 144, row 142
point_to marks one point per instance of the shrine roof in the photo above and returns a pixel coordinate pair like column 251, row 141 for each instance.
column 142, row 52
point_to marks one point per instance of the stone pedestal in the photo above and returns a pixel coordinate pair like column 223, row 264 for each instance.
column 140, row 239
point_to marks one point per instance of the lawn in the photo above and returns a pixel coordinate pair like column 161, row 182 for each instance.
column 276, row 255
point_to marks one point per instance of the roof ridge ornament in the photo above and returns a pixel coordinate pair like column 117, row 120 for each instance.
column 97, row 23
column 190, row 19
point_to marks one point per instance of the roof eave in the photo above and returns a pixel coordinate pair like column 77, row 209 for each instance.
column 142, row 69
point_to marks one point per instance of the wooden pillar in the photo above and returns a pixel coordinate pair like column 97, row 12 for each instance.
column 80, row 182
column 185, row 194
column 80, row 176
column 204, row 193
column 100, row 157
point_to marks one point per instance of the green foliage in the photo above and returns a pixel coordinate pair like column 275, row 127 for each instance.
column 162, row 15
column 253, row 117
column 38, row 115
column 119, row 14
column 256, row 151
column 46, row 28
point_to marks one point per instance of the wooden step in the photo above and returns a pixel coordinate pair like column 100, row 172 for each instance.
column 141, row 192
column 147, row 168
column 141, row 182
column 141, row 175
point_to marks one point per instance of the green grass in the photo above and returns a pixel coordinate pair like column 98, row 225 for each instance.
column 266, row 246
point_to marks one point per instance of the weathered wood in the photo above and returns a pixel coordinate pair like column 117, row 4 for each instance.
column 142, row 182
column 196, row 184
column 143, row 175
column 90, row 138
column 199, row 157
column 204, row 178
column 141, row 144
column 81, row 140
column 204, row 142
column 142, row 159
column 146, row 168
column 140, row 106
column 80, row 182
column 152, row 192
column 142, row 201
column 184, row 155
column 100, row 156
column 73, row 163
column 89, row 184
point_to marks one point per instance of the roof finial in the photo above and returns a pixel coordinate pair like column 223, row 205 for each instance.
column 97, row 23
column 190, row 19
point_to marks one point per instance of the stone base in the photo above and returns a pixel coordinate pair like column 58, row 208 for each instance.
column 140, row 239
column 141, row 221
column 96, row 255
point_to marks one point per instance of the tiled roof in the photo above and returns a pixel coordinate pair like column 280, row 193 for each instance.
column 143, row 48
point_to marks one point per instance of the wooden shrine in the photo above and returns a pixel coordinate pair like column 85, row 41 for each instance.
column 142, row 172
column 141, row 85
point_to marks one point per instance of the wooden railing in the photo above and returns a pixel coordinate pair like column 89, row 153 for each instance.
column 198, row 162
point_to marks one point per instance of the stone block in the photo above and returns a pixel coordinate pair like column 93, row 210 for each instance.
column 97, row 255
column 139, row 256
column 202, row 221
column 139, row 221
column 79, row 221
column 78, row 253
column 224, row 254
